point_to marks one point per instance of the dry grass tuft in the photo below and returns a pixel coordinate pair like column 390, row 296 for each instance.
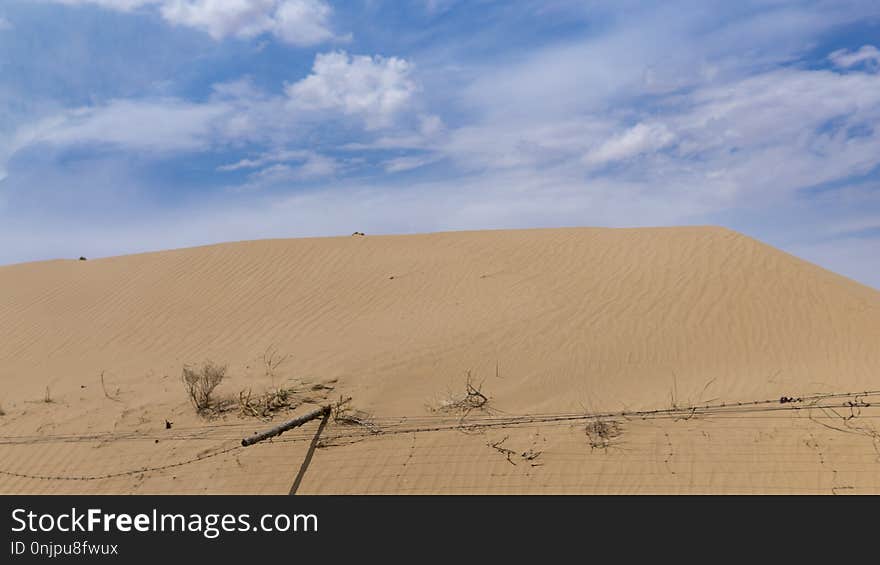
column 463, row 403
column 603, row 433
column 499, row 447
column 201, row 382
column 528, row 456
column 266, row 405
column 272, row 360
column 690, row 408
column 345, row 414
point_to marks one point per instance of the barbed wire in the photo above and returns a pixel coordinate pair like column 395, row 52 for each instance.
column 783, row 404
column 409, row 424
column 426, row 424
column 120, row 473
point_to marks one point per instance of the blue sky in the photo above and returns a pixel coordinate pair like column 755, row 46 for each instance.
column 135, row 125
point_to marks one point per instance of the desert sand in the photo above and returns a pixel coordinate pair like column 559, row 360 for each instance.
column 661, row 360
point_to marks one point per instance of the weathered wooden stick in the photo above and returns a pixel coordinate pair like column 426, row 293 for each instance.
column 280, row 429
column 309, row 454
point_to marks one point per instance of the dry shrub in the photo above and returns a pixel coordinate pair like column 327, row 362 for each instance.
column 266, row 405
column 344, row 413
column 528, row 456
column 603, row 433
column 272, row 360
column 200, row 383
column 277, row 400
column 499, row 447
column 465, row 402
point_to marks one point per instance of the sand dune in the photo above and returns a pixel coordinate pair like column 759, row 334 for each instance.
column 553, row 322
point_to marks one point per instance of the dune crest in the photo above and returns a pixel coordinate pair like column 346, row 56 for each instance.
column 550, row 321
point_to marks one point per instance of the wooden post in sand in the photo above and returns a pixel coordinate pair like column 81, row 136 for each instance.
column 280, row 429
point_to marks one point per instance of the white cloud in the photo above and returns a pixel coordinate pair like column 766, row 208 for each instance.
column 437, row 7
column 4, row 24
column 315, row 167
column 222, row 18
column 641, row 138
column 298, row 22
column 782, row 130
column 285, row 165
column 370, row 91
column 431, row 131
column 524, row 143
column 120, row 5
column 653, row 50
column 304, row 22
column 867, row 54
column 279, row 156
column 431, row 125
column 746, row 139
column 400, row 164
column 162, row 125
column 374, row 88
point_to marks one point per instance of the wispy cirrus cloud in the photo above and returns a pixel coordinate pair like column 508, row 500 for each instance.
column 867, row 55
column 165, row 125
column 640, row 139
column 122, row 5
column 284, row 166
column 401, row 164
column 297, row 22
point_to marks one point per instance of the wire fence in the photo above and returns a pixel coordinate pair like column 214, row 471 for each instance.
column 817, row 443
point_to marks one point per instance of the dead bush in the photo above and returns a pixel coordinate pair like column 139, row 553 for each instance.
column 463, row 403
column 344, row 413
column 272, row 360
column 266, row 405
column 603, row 433
column 200, row 383
column 499, row 447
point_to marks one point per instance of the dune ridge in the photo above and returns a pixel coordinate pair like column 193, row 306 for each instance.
column 548, row 320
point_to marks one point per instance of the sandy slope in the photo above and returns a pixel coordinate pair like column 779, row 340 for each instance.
column 597, row 320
